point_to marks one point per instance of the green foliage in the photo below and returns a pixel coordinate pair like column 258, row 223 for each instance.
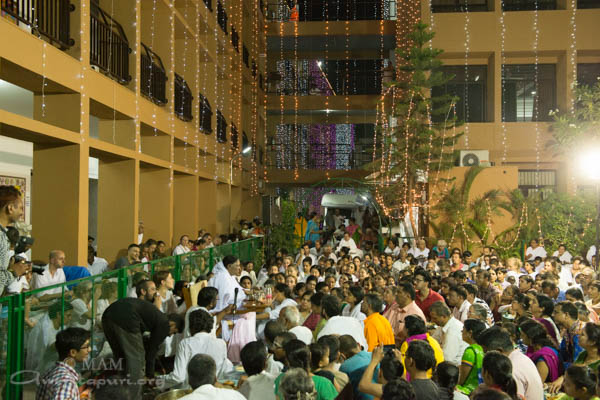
column 575, row 131
column 282, row 235
column 560, row 217
column 417, row 145
column 455, row 210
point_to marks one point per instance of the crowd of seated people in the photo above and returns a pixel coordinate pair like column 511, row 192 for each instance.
column 417, row 320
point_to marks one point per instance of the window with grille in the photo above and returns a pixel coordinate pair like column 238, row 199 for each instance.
column 537, row 183
column 588, row 74
column 221, row 128
column 522, row 99
column 470, row 86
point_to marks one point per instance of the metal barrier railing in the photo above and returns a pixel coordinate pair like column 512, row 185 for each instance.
column 109, row 48
column 29, row 321
column 49, row 18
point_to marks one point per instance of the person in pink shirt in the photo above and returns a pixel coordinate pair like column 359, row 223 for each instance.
column 405, row 305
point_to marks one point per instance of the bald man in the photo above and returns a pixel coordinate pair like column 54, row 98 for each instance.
column 52, row 275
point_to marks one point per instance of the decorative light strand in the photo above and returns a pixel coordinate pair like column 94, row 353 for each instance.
column 44, row 83
column 205, row 59
column 172, row 89
column 197, row 87
column 152, row 31
column 217, row 102
column 114, row 87
column 185, row 51
column 466, row 91
column 254, row 183
column 536, row 110
column 503, row 79
column 137, row 141
column 573, row 55
column 296, row 94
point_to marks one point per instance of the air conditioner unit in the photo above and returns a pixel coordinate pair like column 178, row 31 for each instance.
column 473, row 158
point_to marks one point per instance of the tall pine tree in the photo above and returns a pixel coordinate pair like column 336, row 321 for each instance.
column 420, row 144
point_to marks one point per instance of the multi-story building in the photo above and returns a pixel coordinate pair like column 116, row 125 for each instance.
column 130, row 111
column 514, row 61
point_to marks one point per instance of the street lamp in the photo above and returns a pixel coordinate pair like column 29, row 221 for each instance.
column 244, row 152
column 590, row 165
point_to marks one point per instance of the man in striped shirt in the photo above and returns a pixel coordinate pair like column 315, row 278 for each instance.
column 60, row 382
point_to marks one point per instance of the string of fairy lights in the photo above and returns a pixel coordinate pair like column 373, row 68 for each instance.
column 197, row 87
column 503, row 80
column 536, row 105
column 205, row 59
column 466, row 86
column 218, row 100
column 171, row 88
column 254, row 107
column 182, row 93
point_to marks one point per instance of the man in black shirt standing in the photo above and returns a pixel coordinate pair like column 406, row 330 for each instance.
column 124, row 322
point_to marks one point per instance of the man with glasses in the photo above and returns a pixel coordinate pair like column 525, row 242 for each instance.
column 60, row 382
column 425, row 296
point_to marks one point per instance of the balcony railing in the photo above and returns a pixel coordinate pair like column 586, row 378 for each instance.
column 445, row 6
column 332, row 10
column 529, row 5
column 183, row 99
column 205, row 115
column 586, row 4
column 234, row 136
column 221, row 128
column 317, row 78
column 154, row 77
column 222, row 17
column 49, row 18
column 320, row 156
column 109, row 48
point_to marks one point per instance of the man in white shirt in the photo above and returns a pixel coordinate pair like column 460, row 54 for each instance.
column 331, row 307
column 52, row 275
column 305, row 252
column 202, row 377
column 457, row 297
column 260, row 383
column 448, row 332
column 290, row 318
column 529, row 382
column 348, row 242
column 96, row 265
column 563, row 255
column 421, row 252
column 201, row 342
column 392, row 248
column 535, row 250
column 182, row 247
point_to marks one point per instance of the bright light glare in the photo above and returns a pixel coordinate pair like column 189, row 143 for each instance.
column 589, row 163
column 247, row 150
column 364, row 197
column 319, row 63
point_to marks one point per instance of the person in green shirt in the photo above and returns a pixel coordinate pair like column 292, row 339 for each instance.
column 297, row 355
column 472, row 358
